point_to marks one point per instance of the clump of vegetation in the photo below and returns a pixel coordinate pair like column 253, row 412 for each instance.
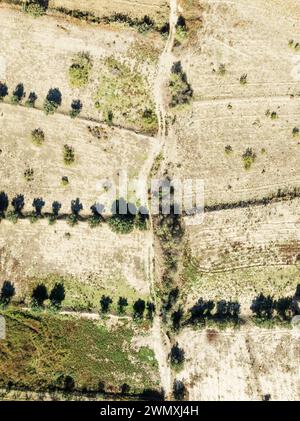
column 79, row 70
column 18, row 94
column 52, row 101
column 18, row 204
column 105, row 303
column 122, row 304
column 76, row 208
column 38, row 137
column 123, row 217
column 95, row 218
column 266, row 309
column 228, row 149
column 295, row 132
column 35, row 8
column 3, row 91
column 39, row 295
column 64, row 181
column 179, row 390
column 177, row 357
column 76, row 108
column 243, row 79
column 181, row 30
column 123, row 94
column 274, row 115
column 3, row 204
column 30, row 102
column 139, row 308
column 248, row 157
column 222, row 69
column 294, row 45
column 57, row 295
column 180, row 89
column 68, row 154
column 29, row 174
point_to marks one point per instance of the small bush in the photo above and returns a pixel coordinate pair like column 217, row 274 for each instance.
column 295, row 132
column 64, row 181
column 69, row 154
column 248, row 158
column 18, row 94
column 76, row 108
column 228, row 149
column 80, row 70
column 52, row 101
column 57, row 295
column 39, row 295
column 177, row 357
column 180, row 89
column 7, row 292
column 34, row 8
column 105, row 303
column 30, row 102
column 38, row 137
column 243, row 79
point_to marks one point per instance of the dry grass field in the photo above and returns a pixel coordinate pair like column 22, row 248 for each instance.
column 158, row 10
column 91, row 262
column 247, row 365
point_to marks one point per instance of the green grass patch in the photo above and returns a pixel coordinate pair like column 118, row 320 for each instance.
column 123, row 97
column 42, row 350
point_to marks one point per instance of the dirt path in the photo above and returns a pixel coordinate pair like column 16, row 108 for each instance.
column 161, row 343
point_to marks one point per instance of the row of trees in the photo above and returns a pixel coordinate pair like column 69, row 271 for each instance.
column 263, row 308
column 57, row 295
column 39, row 294
column 52, row 101
column 119, row 222
column 139, row 307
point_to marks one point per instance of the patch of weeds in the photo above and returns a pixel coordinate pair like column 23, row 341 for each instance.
column 248, row 157
column 35, row 8
column 180, row 89
column 80, row 69
column 38, row 137
column 12, row 216
column 243, row 79
column 68, row 154
column 123, row 94
column 64, row 181
column 295, row 132
column 228, row 150
column 222, row 70
column 29, row 174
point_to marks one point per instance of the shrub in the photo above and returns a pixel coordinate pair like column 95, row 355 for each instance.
column 3, row 91
column 123, row 218
column 180, row 89
column 76, row 108
column 18, row 94
column 64, row 181
column 35, row 8
column 243, row 79
column 38, row 137
column 39, row 295
column 56, row 206
column 179, row 390
column 274, row 115
column 248, row 158
column 228, row 149
column 69, row 154
column 7, row 292
column 38, row 204
column 76, row 207
column 79, row 70
column 18, row 203
column 52, row 101
column 222, row 69
column 30, row 102
column 295, row 132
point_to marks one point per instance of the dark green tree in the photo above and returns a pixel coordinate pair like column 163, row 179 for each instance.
column 105, row 302
column 139, row 308
column 3, row 203
column 122, row 303
column 7, row 292
column 57, row 294
column 39, row 295
column 18, row 203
